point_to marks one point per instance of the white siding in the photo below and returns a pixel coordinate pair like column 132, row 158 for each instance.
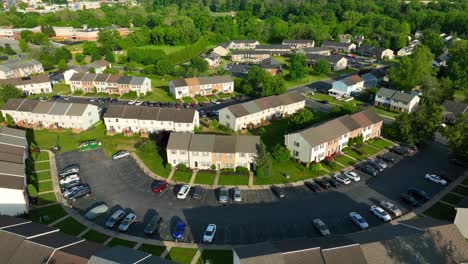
column 13, row 202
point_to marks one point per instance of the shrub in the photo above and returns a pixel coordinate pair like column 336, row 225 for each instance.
column 227, row 170
column 32, row 191
column 260, row 172
column 281, row 153
column 213, row 167
column 242, row 170
column 182, row 167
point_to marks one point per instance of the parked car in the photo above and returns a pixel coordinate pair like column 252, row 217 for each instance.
column 120, row 155
column 237, row 195
column 179, row 230
column 82, row 192
column 368, row 170
column 375, row 165
column 408, row 199
column 400, row 151
column 435, row 178
column 410, row 148
column 391, row 208
column 127, row 222
column 160, row 186
column 115, row 218
column 312, row 186
column 69, row 192
column 215, row 101
column 114, row 100
column 381, row 163
column 66, row 98
column 132, row 102
column 352, row 176
column 223, row 195
column 197, row 192
column 56, row 97
column 69, row 178
column 96, row 211
column 321, row 227
column 152, row 225
column 387, row 158
column 333, row 182
column 380, row 213
column 183, row 191
column 209, row 233
column 324, row 184
column 69, row 185
column 71, row 169
column 278, row 191
column 138, row 103
column 359, row 220
column 342, row 179
column 202, row 113
column 418, row 194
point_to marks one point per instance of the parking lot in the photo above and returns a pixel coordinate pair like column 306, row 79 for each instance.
column 261, row 216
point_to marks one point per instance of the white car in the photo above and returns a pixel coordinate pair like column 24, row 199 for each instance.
column 237, row 195
column 215, row 101
column 435, row 178
column 138, row 102
column 359, row 220
column 127, row 222
column 321, row 227
column 380, row 213
column 209, row 233
column 381, row 163
column 342, row 179
column 132, row 102
column 391, row 208
column 183, row 192
column 352, row 175
column 120, row 155
column 69, row 178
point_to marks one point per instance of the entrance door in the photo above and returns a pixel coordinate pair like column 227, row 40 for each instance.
column 252, row 166
column 196, row 164
column 218, row 166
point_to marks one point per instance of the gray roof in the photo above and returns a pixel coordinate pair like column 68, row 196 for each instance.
column 101, row 77
column 27, row 105
column 12, row 104
column 385, row 92
column 33, row 79
column 455, row 107
column 262, row 253
column 202, row 80
column 272, row 46
column 89, row 77
column 12, row 158
column 14, row 65
column 137, row 80
column 213, row 56
column 213, row 143
column 6, row 221
column 59, row 108
column 315, row 49
column 76, row 109
column 43, row 108
column 11, row 168
column 11, row 182
column 297, row 41
column 98, row 64
column 9, row 243
column 30, row 230
column 13, row 137
column 150, row 113
column 56, row 240
column 83, row 249
column 249, row 51
column 260, row 104
column 77, row 76
column 118, row 254
column 125, row 80
column 368, row 76
column 13, row 132
column 403, row 97
column 328, row 43
column 246, row 41
column 332, row 59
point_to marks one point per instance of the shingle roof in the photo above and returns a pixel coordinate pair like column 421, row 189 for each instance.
column 40, row 78
column 455, row 107
column 89, row 77
column 328, row 43
column 272, row 46
column 249, row 51
column 77, row 76
column 27, row 105
column 202, row 142
column 12, row 104
column 59, row 109
column 385, row 92
column 13, row 132
column 247, row 41
column 11, row 168
column 30, row 230
column 403, row 97
column 12, row 158
column 260, row 104
column 202, row 80
column 101, row 77
column 118, row 254
column 83, row 249
column 76, row 109
column 297, row 41
column 43, row 108
column 56, row 240
column 98, row 64
column 125, row 80
column 179, row 141
column 213, row 143
column 351, row 80
column 315, row 49
column 150, row 113
column 13, row 65
column 137, row 80
column 6, row 221
column 11, row 182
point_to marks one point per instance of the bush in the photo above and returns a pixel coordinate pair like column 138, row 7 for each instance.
column 227, row 170
column 213, row 167
column 281, row 153
column 242, row 170
column 32, row 191
column 182, row 167
column 260, row 172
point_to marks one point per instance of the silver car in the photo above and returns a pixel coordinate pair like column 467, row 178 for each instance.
column 120, row 155
column 127, row 222
column 115, row 218
column 321, row 227
column 391, row 208
column 237, row 195
column 223, row 195
column 96, row 211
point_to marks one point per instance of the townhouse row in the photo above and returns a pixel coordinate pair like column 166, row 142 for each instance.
column 203, row 86
column 109, row 83
column 34, row 84
column 396, row 100
column 35, row 114
column 20, row 68
column 201, row 151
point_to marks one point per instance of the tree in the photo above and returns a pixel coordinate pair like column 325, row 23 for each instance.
column 273, row 85
column 436, row 90
column 23, row 45
column 10, row 121
column 457, row 136
column 9, row 92
column 297, row 67
column 458, row 63
column 48, row 30
column 263, row 161
column 62, row 65
column 301, row 118
column 2, row 118
column 322, row 67
column 109, row 39
column 163, row 66
column 199, row 64
column 26, row 35
column 281, row 153
column 79, row 57
column 40, row 38
column 434, row 41
column 8, row 50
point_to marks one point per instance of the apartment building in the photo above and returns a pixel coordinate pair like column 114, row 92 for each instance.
column 213, row 59
column 339, row 46
column 299, row 43
column 97, row 66
column 14, row 198
column 276, row 50
column 34, row 84
column 243, row 44
column 222, row 49
column 201, row 151
column 130, row 119
column 396, row 100
column 337, row 62
column 201, row 86
column 250, row 56
column 260, row 111
column 315, row 50
column 109, row 83
column 51, row 115
column 347, row 86
column 317, row 142
column 17, row 69
column 376, row 52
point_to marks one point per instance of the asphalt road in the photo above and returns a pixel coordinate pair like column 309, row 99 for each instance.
column 261, row 216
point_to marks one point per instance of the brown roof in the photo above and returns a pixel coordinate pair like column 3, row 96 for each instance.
column 115, row 111
column 12, row 104
column 13, row 158
column 113, row 78
column 43, row 107
column 77, row 76
column 346, row 254
column 131, row 112
column 202, row 80
column 8, row 245
column 366, row 118
column 263, row 103
column 41, row 78
column 101, row 77
column 11, row 182
column 213, row 143
column 176, row 115
column 14, row 150
column 150, row 113
column 27, row 105
column 76, row 109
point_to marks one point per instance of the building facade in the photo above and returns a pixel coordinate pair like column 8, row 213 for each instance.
column 51, row 115
column 251, row 56
column 376, row 52
column 213, row 59
column 201, row 86
column 337, row 62
column 243, row 44
column 130, row 119
column 201, row 151
column 299, row 43
column 396, row 100
column 277, row 50
column 109, row 83
column 97, row 66
column 34, row 84
column 347, row 86
column 339, row 46
column 320, row 141
column 260, row 111
column 18, row 69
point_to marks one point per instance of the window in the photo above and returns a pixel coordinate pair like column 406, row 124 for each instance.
column 206, row 154
column 218, row 155
column 296, row 144
column 195, row 153
column 228, row 117
column 229, row 155
column 296, row 153
column 242, row 155
column 182, row 152
column 229, row 165
column 173, row 152
column 116, row 120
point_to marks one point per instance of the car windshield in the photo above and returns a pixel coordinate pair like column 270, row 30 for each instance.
column 126, row 221
column 208, row 233
column 322, row 227
column 360, row 220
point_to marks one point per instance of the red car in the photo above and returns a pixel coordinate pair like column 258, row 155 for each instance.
column 160, row 186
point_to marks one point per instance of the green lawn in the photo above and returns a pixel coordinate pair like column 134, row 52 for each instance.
column 95, row 236
column 225, row 95
column 45, row 186
column 181, row 255
column 441, row 211
column 47, row 198
column 347, row 161
column 459, row 96
column 461, row 190
column 151, row 155
column 43, row 155
column 43, row 175
column 333, row 101
column 201, row 99
column 39, row 166
column 354, row 154
column 62, row 89
column 205, row 178
column 452, row 198
column 380, row 143
column 309, row 78
column 233, row 179
column 335, row 168
column 165, row 48
column 182, row 176
column 70, row 226
column 160, row 87
column 121, row 242
column 215, row 257
column 47, row 215
column 385, row 112
column 188, row 100
column 368, row 149
column 152, row 249
column 295, row 170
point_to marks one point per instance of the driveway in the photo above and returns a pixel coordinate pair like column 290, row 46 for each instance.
column 261, row 216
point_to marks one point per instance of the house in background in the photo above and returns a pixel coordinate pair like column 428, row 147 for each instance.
column 315, row 50
column 18, row 69
column 396, row 100
column 213, row 59
column 109, row 83
column 339, row 46
column 98, row 66
column 272, row 66
column 243, row 44
column 441, row 60
column 345, row 38
column 273, row 49
column 376, row 52
column 337, row 62
column 201, row 86
column 370, row 80
column 34, row 84
column 222, row 49
column 452, row 110
column 201, row 151
column 252, row 56
column 347, row 86
column 299, row 43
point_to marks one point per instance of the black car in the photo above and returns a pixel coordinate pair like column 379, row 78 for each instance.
column 80, row 193
column 197, row 192
column 324, row 184
column 153, row 225
column 201, row 104
column 333, row 182
column 114, row 100
column 410, row 148
column 186, row 105
column 400, row 151
column 203, row 114
column 312, row 186
column 323, row 101
column 56, row 97
column 368, row 169
column 278, row 191
column 418, row 194
column 387, row 158
column 408, row 199
column 70, row 185
column 375, row 165
column 171, row 105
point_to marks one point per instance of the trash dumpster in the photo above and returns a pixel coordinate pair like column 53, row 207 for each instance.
column 84, row 145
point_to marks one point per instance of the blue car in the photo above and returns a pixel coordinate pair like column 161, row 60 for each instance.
column 179, row 230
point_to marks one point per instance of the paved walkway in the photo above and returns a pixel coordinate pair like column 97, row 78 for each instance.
column 216, row 180
column 194, row 175
column 196, row 257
